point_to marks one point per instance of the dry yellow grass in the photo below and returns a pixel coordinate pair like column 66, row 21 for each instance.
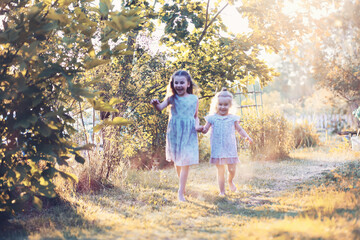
column 293, row 199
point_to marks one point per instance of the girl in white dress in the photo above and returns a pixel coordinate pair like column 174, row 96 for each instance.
column 182, row 145
column 223, row 139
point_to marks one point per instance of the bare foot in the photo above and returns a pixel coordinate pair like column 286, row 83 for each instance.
column 222, row 194
column 181, row 197
column 232, row 186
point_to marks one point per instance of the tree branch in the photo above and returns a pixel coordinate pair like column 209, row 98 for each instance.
column 207, row 13
column 207, row 26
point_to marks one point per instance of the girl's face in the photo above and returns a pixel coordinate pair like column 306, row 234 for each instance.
column 181, row 84
column 224, row 105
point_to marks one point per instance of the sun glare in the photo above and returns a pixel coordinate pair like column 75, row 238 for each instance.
column 234, row 21
column 291, row 7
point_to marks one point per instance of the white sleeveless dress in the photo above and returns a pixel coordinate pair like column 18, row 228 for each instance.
column 223, row 139
column 182, row 145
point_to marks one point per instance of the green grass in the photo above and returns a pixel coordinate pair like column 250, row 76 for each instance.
column 292, row 199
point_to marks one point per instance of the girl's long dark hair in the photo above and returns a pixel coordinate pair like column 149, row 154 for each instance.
column 188, row 78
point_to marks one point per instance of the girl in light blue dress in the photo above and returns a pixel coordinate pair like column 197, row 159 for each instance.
column 223, row 140
column 181, row 138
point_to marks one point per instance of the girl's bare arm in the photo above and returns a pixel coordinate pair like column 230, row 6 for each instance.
column 242, row 132
column 198, row 127
column 159, row 106
column 206, row 128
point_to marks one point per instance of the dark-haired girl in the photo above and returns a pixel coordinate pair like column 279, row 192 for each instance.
column 182, row 146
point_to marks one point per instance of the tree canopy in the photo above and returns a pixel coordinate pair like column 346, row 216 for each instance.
column 321, row 36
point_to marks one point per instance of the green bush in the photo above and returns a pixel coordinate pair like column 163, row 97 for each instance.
column 45, row 46
column 305, row 135
column 271, row 133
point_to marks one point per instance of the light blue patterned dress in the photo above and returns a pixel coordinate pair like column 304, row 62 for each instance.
column 182, row 145
column 223, row 139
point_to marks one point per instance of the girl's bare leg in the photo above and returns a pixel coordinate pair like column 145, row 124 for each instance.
column 221, row 179
column 184, row 172
column 178, row 170
column 232, row 171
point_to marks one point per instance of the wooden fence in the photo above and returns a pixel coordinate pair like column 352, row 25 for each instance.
column 325, row 121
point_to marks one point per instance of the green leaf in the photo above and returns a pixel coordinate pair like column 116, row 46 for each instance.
column 53, row 15
column 119, row 121
column 47, row 28
column 11, row 176
column 120, row 47
column 77, row 91
column 62, row 160
column 37, row 100
column 48, row 173
column 21, row 172
column 114, row 101
column 48, row 72
column 98, row 127
column 94, row 63
column 37, row 203
column 85, row 147
column 46, row 190
column 104, row 8
column 68, row 176
column 129, row 52
column 79, row 158
column 44, row 129
column 103, row 106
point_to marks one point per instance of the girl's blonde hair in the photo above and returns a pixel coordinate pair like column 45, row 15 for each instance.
column 224, row 93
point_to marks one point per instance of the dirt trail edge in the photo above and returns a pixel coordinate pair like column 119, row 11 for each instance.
column 264, row 180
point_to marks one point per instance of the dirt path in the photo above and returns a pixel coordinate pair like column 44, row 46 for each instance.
column 263, row 180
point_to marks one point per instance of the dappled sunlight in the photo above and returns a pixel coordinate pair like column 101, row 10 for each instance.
column 337, row 151
column 300, row 228
column 273, row 200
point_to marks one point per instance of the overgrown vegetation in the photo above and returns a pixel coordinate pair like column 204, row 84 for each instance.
column 305, row 135
column 271, row 133
column 44, row 47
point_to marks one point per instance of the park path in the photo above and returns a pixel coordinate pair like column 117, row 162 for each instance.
column 263, row 180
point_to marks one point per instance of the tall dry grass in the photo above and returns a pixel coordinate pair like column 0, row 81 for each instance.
column 271, row 133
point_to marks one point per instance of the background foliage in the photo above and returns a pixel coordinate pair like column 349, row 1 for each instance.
column 271, row 133
column 305, row 135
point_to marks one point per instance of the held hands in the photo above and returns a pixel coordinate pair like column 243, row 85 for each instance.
column 199, row 128
column 204, row 130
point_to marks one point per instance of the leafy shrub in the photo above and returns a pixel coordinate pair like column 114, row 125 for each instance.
column 271, row 134
column 95, row 176
column 144, row 142
column 106, row 162
column 44, row 46
column 305, row 135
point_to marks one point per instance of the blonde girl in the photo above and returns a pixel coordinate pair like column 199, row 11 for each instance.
column 181, row 138
column 223, row 139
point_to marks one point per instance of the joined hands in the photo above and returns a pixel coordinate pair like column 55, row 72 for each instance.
column 199, row 128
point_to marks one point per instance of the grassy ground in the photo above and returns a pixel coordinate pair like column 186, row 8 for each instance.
column 313, row 195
